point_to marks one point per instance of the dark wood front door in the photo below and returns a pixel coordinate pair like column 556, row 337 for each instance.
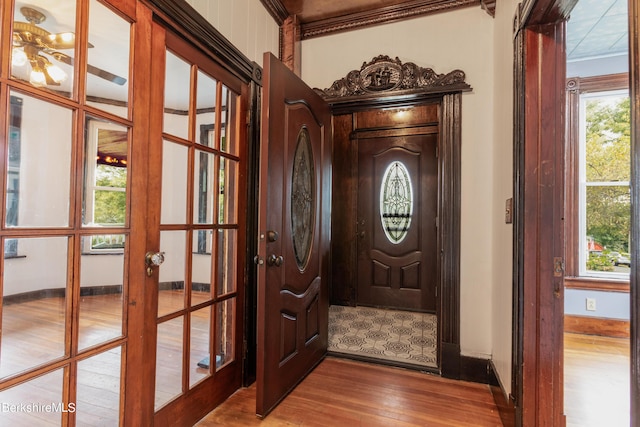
column 397, row 229
column 294, row 222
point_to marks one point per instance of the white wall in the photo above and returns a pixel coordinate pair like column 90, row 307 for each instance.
column 246, row 23
column 461, row 39
column 502, row 249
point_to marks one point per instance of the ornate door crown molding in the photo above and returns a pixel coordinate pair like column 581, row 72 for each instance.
column 383, row 77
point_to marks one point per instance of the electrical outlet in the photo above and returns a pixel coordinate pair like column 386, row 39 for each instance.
column 591, row 304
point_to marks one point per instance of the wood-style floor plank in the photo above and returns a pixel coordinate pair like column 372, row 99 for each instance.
column 342, row 392
column 339, row 392
column 596, row 373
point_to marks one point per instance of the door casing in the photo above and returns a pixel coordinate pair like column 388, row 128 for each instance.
column 344, row 198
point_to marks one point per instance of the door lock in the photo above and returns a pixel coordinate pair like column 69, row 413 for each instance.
column 153, row 259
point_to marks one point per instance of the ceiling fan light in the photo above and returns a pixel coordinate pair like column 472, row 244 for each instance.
column 37, row 78
column 67, row 37
column 18, row 57
column 56, row 73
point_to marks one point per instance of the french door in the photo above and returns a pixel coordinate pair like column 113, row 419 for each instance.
column 68, row 202
column 196, row 210
column 118, row 151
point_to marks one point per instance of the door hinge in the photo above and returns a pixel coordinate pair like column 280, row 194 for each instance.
column 558, row 266
column 437, row 152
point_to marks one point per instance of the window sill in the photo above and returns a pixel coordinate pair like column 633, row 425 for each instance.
column 596, row 284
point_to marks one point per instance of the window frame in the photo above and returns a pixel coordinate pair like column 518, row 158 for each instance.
column 12, row 210
column 94, row 124
column 574, row 276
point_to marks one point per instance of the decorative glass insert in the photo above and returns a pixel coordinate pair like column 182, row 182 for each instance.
column 302, row 199
column 396, row 202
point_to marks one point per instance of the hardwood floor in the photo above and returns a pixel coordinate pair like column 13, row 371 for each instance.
column 596, row 373
column 341, row 392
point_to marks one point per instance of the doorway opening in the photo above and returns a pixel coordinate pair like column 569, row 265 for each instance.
column 386, row 122
column 598, row 216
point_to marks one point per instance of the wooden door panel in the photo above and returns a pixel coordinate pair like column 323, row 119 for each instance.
column 398, row 273
column 195, row 319
column 294, row 228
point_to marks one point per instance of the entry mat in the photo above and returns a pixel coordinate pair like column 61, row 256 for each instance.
column 396, row 336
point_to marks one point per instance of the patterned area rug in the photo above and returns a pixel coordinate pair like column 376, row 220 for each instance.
column 397, row 336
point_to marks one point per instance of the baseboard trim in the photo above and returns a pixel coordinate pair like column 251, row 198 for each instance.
column 505, row 405
column 450, row 360
column 474, row 369
column 456, row 366
column 606, row 327
column 60, row 293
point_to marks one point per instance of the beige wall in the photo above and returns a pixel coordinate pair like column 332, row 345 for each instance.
column 245, row 23
column 463, row 40
column 502, row 190
column 468, row 39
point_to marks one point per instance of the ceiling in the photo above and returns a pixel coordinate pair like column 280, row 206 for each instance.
column 597, row 29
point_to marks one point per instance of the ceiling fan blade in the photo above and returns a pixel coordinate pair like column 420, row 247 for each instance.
column 99, row 72
column 106, row 75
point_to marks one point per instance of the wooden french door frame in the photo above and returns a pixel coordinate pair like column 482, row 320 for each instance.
column 179, row 18
column 225, row 252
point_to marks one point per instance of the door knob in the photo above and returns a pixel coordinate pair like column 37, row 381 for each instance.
column 153, row 259
column 274, row 260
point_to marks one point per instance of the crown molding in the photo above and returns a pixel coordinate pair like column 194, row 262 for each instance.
column 489, row 6
column 382, row 15
column 276, row 9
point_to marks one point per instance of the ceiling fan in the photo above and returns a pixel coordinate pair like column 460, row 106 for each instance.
column 30, row 42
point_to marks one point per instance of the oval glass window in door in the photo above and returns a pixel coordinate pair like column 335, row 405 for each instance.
column 302, row 199
column 396, row 202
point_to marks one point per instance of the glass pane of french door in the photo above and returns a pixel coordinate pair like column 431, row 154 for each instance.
column 65, row 225
column 199, row 223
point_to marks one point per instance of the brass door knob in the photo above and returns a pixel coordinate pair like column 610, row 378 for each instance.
column 275, row 261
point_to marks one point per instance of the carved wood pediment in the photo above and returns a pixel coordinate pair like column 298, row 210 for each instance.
column 383, row 76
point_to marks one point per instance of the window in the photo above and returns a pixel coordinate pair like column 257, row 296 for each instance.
column 396, row 202
column 599, row 201
column 13, row 174
column 105, row 184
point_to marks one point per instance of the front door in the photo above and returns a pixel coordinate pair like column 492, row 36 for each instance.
column 397, row 210
column 196, row 223
column 294, row 222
